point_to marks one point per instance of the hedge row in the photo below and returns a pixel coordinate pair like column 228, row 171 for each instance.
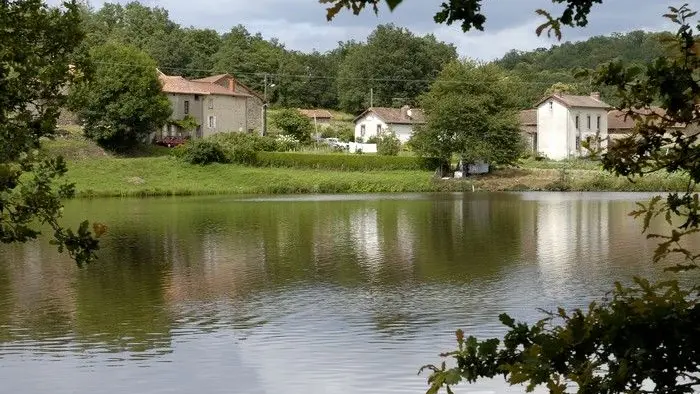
column 344, row 162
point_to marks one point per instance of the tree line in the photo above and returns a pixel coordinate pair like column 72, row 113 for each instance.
column 392, row 67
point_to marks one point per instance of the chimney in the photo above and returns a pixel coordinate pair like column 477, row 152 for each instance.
column 596, row 95
column 405, row 111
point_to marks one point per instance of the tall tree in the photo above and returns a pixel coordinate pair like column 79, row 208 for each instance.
column 37, row 49
column 123, row 103
column 248, row 56
column 395, row 64
column 471, row 112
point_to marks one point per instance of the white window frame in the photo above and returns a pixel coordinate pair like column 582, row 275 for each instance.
column 211, row 122
column 211, row 103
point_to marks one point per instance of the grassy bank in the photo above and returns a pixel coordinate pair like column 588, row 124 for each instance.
column 97, row 173
column 159, row 176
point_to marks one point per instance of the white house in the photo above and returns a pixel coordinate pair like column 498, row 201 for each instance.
column 563, row 121
column 377, row 120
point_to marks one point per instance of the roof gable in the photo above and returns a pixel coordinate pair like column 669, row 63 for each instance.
column 528, row 117
column 573, row 101
column 395, row 115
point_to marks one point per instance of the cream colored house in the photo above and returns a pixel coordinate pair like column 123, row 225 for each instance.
column 377, row 120
column 564, row 121
column 218, row 104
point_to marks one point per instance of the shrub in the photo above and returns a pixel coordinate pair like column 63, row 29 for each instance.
column 345, row 162
column 388, row 145
column 293, row 123
column 259, row 143
column 202, row 151
column 343, row 132
column 372, row 140
column 244, row 153
column 286, row 143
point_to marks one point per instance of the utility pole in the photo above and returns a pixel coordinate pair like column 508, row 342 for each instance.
column 371, row 97
column 264, row 109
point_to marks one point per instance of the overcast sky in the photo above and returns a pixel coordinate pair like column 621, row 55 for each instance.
column 301, row 24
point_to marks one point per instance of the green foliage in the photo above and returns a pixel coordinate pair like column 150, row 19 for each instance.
column 471, row 112
column 345, row 162
column 186, row 123
column 343, row 132
column 468, row 12
column 647, row 332
column 391, row 70
column 123, row 102
column 205, row 151
column 258, row 142
column 37, row 48
column 388, row 144
column 291, row 122
column 642, row 339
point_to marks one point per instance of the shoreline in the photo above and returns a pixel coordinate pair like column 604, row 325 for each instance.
column 165, row 176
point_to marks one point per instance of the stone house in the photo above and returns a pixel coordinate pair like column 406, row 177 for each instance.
column 620, row 124
column 376, row 120
column 564, row 121
column 218, row 104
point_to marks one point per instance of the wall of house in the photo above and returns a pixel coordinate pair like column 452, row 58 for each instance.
column 557, row 133
column 230, row 113
column 584, row 131
column 552, row 127
column 402, row 131
column 177, row 103
column 370, row 121
column 254, row 107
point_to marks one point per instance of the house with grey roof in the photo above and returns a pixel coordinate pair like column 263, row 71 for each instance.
column 375, row 121
column 217, row 104
column 564, row 121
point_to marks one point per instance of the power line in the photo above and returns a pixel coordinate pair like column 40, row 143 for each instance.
column 330, row 77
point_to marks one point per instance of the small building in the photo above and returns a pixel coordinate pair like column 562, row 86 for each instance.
column 377, row 120
column 319, row 117
column 217, row 104
column 528, row 128
column 564, row 121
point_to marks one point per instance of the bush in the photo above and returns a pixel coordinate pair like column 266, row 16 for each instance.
column 244, row 153
column 202, row 151
column 343, row 132
column 345, row 162
column 259, row 143
column 293, row 123
column 371, row 140
column 388, row 145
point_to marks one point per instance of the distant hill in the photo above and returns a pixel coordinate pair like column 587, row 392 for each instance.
column 541, row 68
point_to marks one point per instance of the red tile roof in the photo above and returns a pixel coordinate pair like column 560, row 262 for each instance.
column 316, row 113
column 623, row 122
column 180, row 85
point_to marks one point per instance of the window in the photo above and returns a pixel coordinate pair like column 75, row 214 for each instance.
column 198, row 131
column 578, row 143
column 211, row 121
column 551, row 105
column 597, row 123
column 196, row 97
column 379, row 129
column 588, row 120
column 187, row 107
column 362, row 131
column 577, row 124
column 211, row 103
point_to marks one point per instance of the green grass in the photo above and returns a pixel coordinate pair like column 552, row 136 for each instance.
column 159, row 176
column 344, row 162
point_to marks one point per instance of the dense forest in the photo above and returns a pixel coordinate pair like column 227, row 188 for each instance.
column 394, row 64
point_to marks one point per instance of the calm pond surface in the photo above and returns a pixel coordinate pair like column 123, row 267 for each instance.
column 300, row 295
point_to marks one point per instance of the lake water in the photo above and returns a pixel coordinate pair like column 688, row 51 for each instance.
column 302, row 294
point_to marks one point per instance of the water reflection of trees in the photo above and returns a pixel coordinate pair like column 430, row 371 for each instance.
column 210, row 262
